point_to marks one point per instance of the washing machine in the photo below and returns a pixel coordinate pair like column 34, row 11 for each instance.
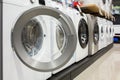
column 81, row 24
column 107, row 33
column 101, row 33
column 104, row 32
column 82, row 32
column 27, row 40
column 111, row 24
column 93, row 34
column 110, row 32
column 68, row 11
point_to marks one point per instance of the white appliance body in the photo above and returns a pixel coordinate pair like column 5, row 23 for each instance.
column 26, row 26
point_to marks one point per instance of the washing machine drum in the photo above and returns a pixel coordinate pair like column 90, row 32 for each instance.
column 32, row 39
column 96, row 33
column 83, row 34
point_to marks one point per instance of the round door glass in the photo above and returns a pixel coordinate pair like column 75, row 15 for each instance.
column 36, row 35
column 96, row 33
column 83, row 33
column 32, row 37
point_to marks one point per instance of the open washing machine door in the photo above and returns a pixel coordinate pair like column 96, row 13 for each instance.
column 33, row 40
column 60, row 34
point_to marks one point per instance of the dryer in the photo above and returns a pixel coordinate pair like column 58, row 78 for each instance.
column 93, row 34
column 82, row 32
column 26, row 40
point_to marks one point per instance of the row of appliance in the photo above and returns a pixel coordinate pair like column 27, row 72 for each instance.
column 41, row 38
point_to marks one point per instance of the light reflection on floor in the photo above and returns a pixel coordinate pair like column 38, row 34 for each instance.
column 105, row 68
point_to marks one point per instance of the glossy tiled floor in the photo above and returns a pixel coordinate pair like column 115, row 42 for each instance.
column 105, row 68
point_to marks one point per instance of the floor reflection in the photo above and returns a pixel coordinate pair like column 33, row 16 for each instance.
column 105, row 68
